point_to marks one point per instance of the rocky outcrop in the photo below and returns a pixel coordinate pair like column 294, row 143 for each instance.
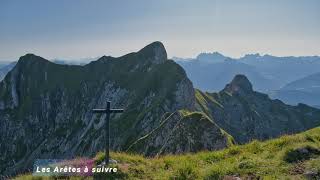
column 247, row 115
column 155, row 52
column 239, row 85
column 180, row 132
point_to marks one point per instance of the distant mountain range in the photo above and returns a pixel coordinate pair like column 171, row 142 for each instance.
column 277, row 76
column 267, row 73
column 305, row 90
column 213, row 76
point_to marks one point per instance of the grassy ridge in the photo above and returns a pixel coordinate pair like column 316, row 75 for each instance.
column 287, row 157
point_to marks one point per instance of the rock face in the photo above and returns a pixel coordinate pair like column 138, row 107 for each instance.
column 45, row 108
column 239, row 85
column 183, row 131
column 156, row 52
column 247, row 115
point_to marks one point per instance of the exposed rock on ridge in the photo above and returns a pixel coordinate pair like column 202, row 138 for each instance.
column 182, row 132
column 239, row 85
column 156, row 52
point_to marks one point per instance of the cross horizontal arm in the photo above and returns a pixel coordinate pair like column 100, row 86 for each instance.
column 116, row 110
column 99, row 110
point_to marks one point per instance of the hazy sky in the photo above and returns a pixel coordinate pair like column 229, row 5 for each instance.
column 89, row 28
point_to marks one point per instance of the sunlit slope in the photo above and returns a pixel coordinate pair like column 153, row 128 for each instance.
column 287, row 157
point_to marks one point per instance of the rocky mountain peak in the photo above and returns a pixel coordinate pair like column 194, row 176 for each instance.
column 155, row 52
column 240, row 84
column 28, row 56
column 31, row 60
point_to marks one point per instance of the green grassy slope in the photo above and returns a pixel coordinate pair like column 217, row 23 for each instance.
column 287, row 157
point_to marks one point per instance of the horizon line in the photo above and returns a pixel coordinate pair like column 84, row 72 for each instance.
column 83, row 59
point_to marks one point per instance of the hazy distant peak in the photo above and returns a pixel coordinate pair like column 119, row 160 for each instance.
column 213, row 54
column 255, row 55
column 270, row 56
column 175, row 58
column 211, row 57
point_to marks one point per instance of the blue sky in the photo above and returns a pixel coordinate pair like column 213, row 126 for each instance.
column 74, row 29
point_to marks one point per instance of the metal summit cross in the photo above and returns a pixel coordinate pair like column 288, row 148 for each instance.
column 107, row 111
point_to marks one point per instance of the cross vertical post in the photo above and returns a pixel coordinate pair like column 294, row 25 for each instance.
column 107, row 133
column 107, row 111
